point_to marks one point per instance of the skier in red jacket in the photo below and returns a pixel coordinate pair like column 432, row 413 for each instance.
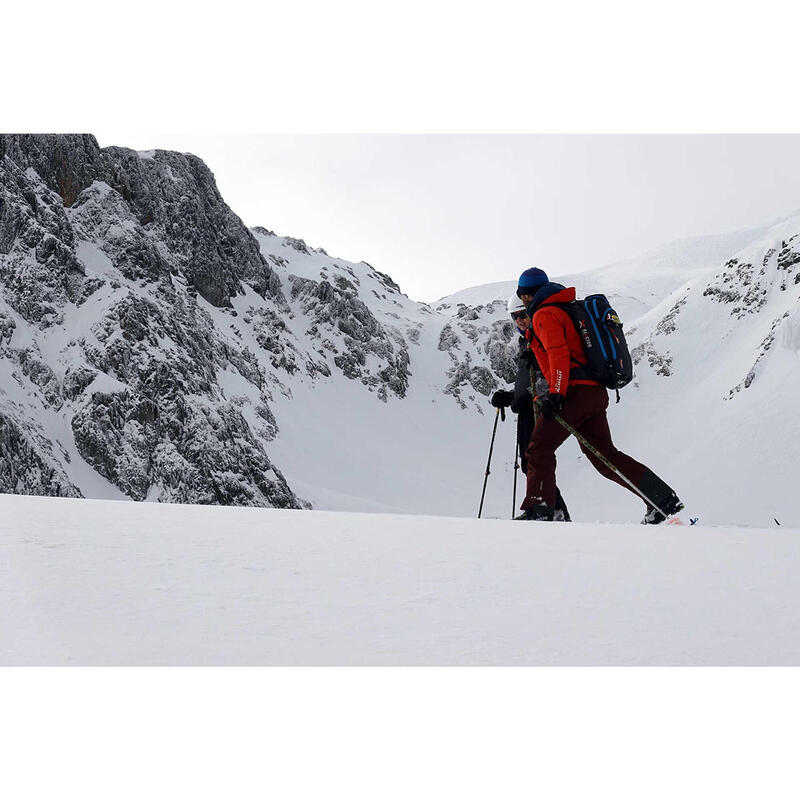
column 580, row 401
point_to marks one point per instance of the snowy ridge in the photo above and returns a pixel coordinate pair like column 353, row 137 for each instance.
column 634, row 285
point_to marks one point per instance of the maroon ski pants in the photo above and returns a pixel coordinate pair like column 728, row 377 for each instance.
column 585, row 410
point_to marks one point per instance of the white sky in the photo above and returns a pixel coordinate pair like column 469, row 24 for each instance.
column 443, row 212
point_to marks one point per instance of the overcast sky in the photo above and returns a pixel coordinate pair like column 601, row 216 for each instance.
column 441, row 213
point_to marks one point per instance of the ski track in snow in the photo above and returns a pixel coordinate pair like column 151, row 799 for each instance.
column 98, row 582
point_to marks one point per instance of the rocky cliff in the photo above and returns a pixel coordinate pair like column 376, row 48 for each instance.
column 103, row 255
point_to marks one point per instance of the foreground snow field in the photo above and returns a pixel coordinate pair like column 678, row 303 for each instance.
column 90, row 582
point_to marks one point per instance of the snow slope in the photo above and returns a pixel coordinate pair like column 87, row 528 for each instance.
column 102, row 583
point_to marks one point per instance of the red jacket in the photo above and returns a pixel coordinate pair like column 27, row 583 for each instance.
column 556, row 344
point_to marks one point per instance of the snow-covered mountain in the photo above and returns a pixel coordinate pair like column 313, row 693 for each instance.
column 154, row 348
column 151, row 347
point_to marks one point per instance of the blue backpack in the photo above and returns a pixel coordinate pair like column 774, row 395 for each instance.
column 600, row 329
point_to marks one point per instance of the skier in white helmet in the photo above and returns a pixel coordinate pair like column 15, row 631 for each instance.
column 520, row 400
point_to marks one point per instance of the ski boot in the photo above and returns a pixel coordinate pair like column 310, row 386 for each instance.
column 539, row 513
column 669, row 505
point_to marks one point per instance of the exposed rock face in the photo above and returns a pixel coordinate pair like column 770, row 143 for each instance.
column 164, row 197
column 337, row 308
column 24, row 464
column 448, row 339
column 39, row 269
column 165, row 427
column 763, row 350
column 788, row 261
column 743, row 285
column 495, row 343
column 102, row 256
column 661, row 363
column 749, row 292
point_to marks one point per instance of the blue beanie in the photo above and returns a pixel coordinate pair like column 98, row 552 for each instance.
column 531, row 280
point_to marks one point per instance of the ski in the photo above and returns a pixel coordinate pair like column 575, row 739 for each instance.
column 678, row 520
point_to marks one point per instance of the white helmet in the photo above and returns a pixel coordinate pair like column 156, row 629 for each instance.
column 514, row 304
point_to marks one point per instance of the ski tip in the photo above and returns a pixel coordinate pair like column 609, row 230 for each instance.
column 676, row 520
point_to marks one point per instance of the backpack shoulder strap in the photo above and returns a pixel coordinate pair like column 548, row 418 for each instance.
column 578, row 372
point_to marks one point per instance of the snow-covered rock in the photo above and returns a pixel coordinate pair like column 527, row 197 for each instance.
column 106, row 263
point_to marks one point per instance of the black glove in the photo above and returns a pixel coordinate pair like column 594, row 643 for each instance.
column 502, row 399
column 528, row 359
column 551, row 405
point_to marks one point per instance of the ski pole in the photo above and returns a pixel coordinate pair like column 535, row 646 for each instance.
column 488, row 463
column 602, row 458
column 516, row 468
column 533, row 375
